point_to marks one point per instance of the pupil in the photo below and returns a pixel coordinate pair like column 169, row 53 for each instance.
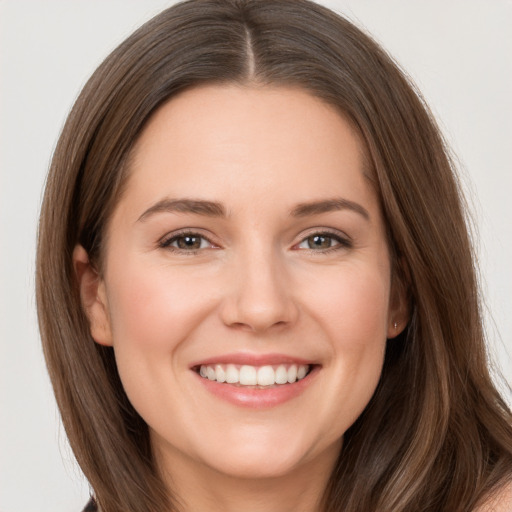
column 319, row 241
column 188, row 242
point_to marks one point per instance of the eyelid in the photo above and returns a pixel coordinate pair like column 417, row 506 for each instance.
column 344, row 241
column 165, row 241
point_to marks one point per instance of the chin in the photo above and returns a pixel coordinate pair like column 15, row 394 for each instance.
column 262, row 467
column 259, row 456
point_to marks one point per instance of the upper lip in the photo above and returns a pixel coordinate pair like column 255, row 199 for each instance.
column 252, row 360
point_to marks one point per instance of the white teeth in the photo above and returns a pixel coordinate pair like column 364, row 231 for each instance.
column 281, row 375
column 232, row 375
column 247, row 375
column 266, row 376
column 292, row 373
column 301, row 372
column 220, row 374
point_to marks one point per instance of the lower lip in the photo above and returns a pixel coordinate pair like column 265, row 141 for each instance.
column 259, row 398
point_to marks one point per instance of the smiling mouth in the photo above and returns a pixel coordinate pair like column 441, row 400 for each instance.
column 262, row 377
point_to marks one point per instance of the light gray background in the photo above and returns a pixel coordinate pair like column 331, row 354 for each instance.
column 459, row 52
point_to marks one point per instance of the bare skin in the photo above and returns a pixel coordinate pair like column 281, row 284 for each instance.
column 248, row 229
column 297, row 491
column 500, row 501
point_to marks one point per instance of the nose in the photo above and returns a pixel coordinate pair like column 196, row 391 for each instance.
column 259, row 296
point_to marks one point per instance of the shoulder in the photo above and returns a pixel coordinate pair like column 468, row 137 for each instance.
column 498, row 501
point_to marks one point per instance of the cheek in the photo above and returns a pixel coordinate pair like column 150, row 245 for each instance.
column 153, row 308
column 153, row 311
column 354, row 306
column 357, row 323
column 353, row 313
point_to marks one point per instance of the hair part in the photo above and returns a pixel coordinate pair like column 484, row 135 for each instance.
column 436, row 434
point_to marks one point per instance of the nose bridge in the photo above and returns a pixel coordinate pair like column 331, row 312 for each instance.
column 261, row 296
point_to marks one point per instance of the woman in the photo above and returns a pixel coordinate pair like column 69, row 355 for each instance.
column 263, row 293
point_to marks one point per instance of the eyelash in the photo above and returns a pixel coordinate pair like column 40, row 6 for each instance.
column 165, row 243
column 341, row 242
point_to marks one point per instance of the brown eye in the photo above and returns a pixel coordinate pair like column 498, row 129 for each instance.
column 323, row 242
column 188, row 242
column 320, row 242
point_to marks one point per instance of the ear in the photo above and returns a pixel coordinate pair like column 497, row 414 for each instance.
column 399, row 305
column 93, row 296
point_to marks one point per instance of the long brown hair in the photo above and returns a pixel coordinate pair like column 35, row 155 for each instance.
column 436, row 435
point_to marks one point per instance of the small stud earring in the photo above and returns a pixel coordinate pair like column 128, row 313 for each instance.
column 395, row 325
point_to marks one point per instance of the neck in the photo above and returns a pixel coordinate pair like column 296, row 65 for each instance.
column 201, row 487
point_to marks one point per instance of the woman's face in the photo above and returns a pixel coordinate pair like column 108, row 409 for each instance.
column 248, row 250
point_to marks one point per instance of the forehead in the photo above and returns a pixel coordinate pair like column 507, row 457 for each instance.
column 230, row 142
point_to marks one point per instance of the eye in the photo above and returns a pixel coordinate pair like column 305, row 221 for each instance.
column 186, row 242
column 323, row 242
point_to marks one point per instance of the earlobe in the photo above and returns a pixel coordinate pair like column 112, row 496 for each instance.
column 93, row 297
column 395, row 328
column 399, row 311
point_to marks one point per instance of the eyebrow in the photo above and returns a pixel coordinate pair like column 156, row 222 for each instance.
column 195, row 206
column 329, row 205
column 214, row 209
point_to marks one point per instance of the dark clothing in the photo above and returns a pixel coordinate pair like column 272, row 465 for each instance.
column 91, row 506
